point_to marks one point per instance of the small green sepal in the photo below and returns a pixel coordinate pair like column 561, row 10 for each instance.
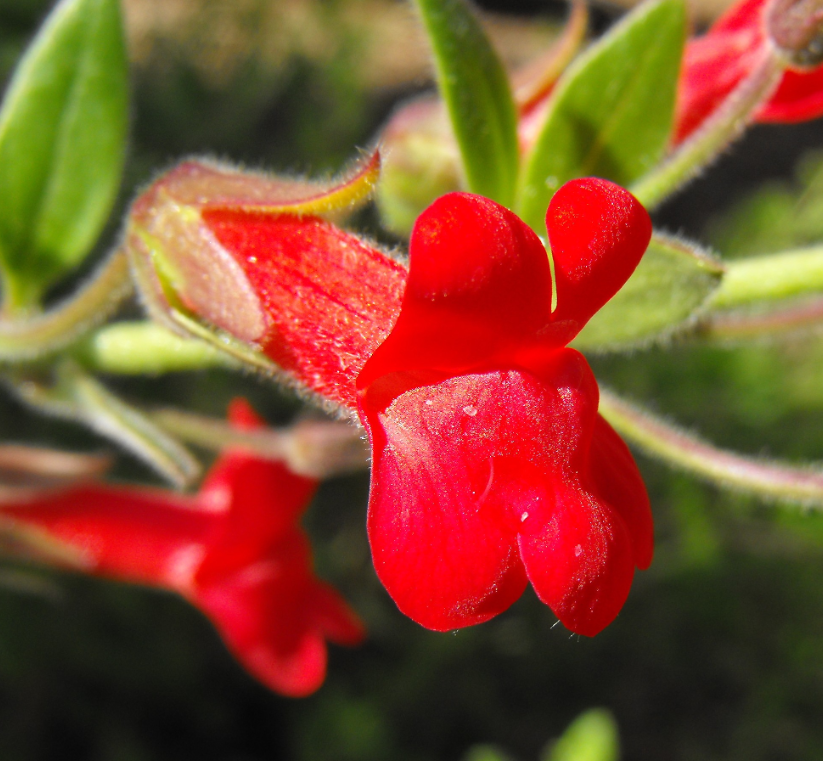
column 672, row 283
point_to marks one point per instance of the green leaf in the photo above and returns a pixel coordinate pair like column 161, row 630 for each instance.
column 476, row 90
column 62, row 143
column 592, row 736
column 672, row 282
column 613, row 110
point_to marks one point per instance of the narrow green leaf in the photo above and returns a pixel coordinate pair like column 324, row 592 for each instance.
column 613, row 111
column 476, row 90
column 62, row 139
column 592, row 736
column 673, row 281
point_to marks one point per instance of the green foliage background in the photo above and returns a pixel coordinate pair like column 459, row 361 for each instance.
column 718, row 654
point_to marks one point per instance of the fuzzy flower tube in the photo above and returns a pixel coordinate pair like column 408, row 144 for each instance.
column 491, row 465
column 234, row 550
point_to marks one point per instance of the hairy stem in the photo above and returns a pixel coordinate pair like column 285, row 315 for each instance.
column 73, row 394
column 685, row 451
column 719, row 130
column 771, row 277
column 314, row 448
column 25, row 339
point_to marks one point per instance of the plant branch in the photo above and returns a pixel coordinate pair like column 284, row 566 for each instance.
column 770, row 277
column 26, row 339
column 314, row 448
column 766, row 479
column 719, row 130
column 73, row 394
column 741, row 326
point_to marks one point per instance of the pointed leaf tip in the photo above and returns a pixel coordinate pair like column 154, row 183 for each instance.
column 478, row 97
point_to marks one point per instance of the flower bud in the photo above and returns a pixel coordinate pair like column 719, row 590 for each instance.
column 187, row 277
column 795, row 28
column 422, row 163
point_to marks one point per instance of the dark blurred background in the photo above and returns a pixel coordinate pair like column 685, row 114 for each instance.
column 718, row 653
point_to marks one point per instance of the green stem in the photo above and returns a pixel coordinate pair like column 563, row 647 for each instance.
column 685, row 451
column 313, row 448
column 72, row 394
column 20, row 297
column 146, row 348
column 770, row 278
column 744, row 325
column 25, row 339
column 720, row 129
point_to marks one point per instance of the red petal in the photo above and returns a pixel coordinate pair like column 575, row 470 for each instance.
column 598, row 233
column 259, row 501
column 617, row 481
column 713, row 65
column 242, row 416
column 330, row 298
column 459, row 468
column 578, row 557
column 798, row 98
column 139, row 535
column 264, row 614
column 479, row 284
column 744, row 15
column 335, row 618
column 443, row 549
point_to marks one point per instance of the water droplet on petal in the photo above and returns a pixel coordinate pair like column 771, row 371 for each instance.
column 578, row 550
column 470, row 410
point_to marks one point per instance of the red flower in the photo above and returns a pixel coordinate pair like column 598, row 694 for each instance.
column 234, row 550
column 491, row 465
column 715, row 63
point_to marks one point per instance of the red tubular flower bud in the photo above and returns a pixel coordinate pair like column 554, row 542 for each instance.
column 329, row 297
column 223, row 249
column 235, row 550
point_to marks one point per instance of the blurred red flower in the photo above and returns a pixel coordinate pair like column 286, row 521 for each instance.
column 235, row 550
column 716, row 62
